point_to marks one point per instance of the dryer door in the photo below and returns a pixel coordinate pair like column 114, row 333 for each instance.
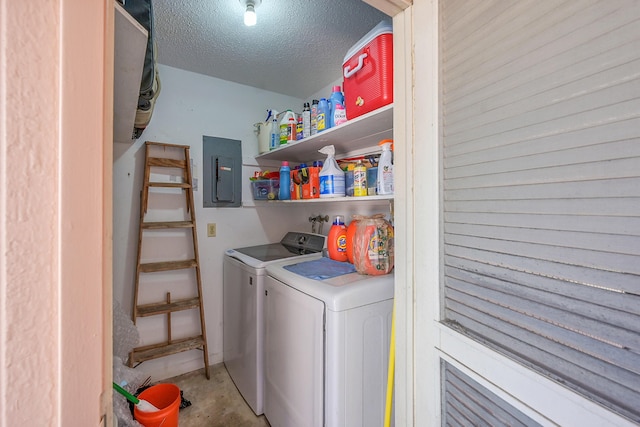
column 294, row 357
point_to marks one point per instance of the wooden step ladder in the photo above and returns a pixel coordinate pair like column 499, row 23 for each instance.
column 166, row 161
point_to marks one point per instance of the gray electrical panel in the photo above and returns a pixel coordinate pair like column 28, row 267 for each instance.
column 222, row 172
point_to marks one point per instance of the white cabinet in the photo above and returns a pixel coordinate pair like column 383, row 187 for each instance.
column 130, row 46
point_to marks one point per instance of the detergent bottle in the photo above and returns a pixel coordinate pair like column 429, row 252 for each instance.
column 323, row 119
column 288, row 127
column 314, row 116
column 337, row 240
column 285, row 181
column 338, row 114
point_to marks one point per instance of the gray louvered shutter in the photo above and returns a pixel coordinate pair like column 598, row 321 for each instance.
column 541, row 187
column 467, row 403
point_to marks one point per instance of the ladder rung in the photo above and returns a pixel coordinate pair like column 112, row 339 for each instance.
column 166, row 163
column 151, row 267
column 140, row 354
column 165, row 307
column 170, row 184
column 167, row 224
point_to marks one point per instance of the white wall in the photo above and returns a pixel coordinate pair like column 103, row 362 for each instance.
column 190, row 106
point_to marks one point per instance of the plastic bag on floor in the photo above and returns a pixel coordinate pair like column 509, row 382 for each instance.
column 130, row 380
column 125, row 333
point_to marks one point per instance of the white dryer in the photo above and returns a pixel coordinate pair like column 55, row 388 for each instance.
column 327, row 334
column 243, row 297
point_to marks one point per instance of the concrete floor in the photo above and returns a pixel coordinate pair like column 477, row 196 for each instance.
column 215, row 402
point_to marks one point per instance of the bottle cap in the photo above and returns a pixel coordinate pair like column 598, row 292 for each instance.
column 285, row 163
column 315, row 101
column 337, row 88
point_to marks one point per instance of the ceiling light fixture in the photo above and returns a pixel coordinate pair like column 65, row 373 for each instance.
column 250, row 17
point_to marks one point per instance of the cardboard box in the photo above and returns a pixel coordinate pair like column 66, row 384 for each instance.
column 296, row 186
column 305, row 183
column 311, row 187
column 368, row 72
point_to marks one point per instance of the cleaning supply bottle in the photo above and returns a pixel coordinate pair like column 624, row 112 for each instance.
column 360, row 187
column 286, row 128
column 299, row 129
column 385, row 168
column 306, row 120
column 314, row 116
column 285, row 181
column 274, row 141
column 332, row 182
column 264, row 133
column 337, row 240
column 338, row 113
column 322, row 118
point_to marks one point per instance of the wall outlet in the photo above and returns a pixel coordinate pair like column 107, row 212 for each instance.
column 211, row 230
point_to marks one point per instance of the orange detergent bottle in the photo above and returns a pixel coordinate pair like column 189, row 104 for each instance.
column 351, row 234
column 337, row 240
column 373, row 246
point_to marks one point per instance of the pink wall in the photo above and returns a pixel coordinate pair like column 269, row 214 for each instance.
column 55, row 225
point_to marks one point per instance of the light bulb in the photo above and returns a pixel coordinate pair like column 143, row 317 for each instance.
column 250, row 18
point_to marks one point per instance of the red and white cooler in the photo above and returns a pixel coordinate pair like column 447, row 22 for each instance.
column 368, row 72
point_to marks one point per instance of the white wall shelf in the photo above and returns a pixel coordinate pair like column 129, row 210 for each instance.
column 363, row 199
column 361, row 133
column 339, row 199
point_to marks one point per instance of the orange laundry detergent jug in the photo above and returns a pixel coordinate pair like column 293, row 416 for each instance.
column 337, row 240
column 373, row 246
column 351, row 234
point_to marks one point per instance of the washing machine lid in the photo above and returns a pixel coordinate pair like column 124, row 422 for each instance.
column 293, row 244
column 339, row 293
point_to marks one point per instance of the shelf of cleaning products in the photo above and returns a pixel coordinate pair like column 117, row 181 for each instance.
column 353, row 136
column 333, row 200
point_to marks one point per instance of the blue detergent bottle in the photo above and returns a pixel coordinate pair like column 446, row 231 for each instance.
column 323, row 120
column 285, row 182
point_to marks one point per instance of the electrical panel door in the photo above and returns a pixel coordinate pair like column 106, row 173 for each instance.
column 222, row 169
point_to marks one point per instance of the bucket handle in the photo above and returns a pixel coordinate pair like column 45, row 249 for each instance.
column 348, row 72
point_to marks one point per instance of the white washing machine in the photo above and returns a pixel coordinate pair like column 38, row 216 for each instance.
column 326, row 344
column 243, row 297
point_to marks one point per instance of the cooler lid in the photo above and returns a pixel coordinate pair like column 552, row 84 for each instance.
column 384, row 27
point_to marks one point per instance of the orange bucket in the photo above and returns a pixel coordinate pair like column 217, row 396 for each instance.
column 165, row 397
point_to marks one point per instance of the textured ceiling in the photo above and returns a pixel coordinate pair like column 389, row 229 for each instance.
column 296, row 48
